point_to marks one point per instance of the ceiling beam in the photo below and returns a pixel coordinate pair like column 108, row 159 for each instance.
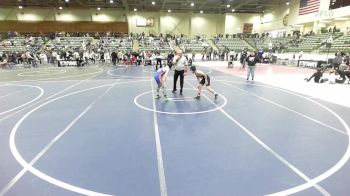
column 243, row 4
column 125, row 4
column 163, row 4
column 80, row 3
column 265, row 5
column 36, row 3
column 203, row 4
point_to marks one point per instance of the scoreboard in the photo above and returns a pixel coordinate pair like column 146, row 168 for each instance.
column 334, row 4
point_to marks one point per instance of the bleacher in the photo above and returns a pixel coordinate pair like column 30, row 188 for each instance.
column 263, row 42
column 73, row 42
column 155, row 45
column 310, row 43
column 235, row 44
column 112, row 43
column 194, row 44
column 255, row 41
column 340, row 44
column 21, row 44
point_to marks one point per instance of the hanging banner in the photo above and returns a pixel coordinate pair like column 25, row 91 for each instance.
column 248, row 28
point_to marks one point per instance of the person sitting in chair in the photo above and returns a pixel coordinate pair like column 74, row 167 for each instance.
column 4, row 62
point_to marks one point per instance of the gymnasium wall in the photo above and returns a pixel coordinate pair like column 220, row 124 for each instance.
column 324, row 8
column 32, row 14
column 180, row 23
column 307, row 28
column 234, row 22
column 70, row 20
column 342, row 25
column 336, row 13
column 133, row 16
column 175, row 23
column 53, row 26
column 273, row 19
column 209, row 24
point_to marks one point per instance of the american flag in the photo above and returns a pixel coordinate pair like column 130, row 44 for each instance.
column 308, row 6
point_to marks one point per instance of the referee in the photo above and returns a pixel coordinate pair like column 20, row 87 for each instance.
column 179, row 62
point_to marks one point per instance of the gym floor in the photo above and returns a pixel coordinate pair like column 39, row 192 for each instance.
column 98, row 130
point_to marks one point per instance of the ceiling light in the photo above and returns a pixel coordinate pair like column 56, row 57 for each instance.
column 233, row 10
column 98, row 9
column 20, row 7
column 60, row 8
column 169, row 11
column 201, row 12
column 66, row 1
column 153, row 3
column 111, row 1
column 287, row 3
column 135, row 10
column 192, row 4
column 228, row 5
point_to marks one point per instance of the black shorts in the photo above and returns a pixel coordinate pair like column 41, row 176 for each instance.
column 203, row 81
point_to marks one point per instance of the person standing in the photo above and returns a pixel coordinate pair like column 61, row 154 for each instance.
column 243, row 59
column 251, row 60
column 114, row 58
column 170, row 59
column 29, row 57
column 180, row 62
column 159, row 59
column 260, row 54
column 337, row 60
column 102, row 56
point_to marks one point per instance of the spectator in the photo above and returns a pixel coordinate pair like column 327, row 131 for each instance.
column 4, row 62
column 29, row 57
column 159, row 58
column 337, row 60
column 252, row 60
column 343, row 74
column 9, row 35
column 242, row 59
column 114, row 58
column 260, row 54
column 133, row 60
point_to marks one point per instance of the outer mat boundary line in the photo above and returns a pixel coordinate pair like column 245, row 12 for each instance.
column 270, row 150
